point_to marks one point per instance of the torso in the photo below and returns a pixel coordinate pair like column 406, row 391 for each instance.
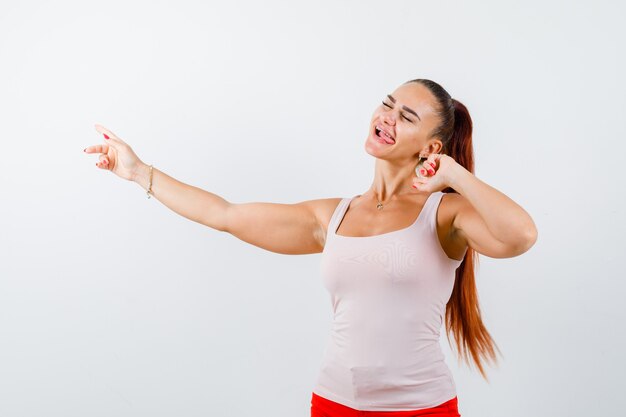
column 363, row 220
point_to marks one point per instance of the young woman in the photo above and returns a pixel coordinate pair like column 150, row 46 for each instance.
column 397, row 260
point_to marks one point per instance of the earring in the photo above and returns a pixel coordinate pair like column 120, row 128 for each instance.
column 420, row 165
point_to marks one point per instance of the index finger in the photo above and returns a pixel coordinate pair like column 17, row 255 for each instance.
column 433, row 158
column 104, row 130
column 97, row 149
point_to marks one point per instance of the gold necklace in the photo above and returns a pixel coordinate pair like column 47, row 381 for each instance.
column 380, row 205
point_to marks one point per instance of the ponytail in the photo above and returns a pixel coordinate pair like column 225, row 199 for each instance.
column 463, row 317
column 460, row 146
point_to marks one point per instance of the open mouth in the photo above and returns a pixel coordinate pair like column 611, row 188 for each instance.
column 384, row 135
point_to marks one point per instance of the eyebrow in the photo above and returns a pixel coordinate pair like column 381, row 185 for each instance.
column 393, row 100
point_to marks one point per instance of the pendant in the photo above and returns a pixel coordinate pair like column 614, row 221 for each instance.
column 379, row 206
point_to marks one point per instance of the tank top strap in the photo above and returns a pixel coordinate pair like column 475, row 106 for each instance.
column 432, row 204
column 430, row 209
column 337, row 216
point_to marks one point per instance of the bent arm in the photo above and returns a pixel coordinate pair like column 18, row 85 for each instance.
column 191, row 202
column 488, row 220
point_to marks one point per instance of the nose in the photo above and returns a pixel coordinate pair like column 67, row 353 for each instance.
column 389, row 118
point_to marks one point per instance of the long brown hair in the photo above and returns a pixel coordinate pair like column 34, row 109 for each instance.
column 463, row 317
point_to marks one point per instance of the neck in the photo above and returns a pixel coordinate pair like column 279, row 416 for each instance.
column 391, row 180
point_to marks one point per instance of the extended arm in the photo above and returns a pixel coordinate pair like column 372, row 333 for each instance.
column 191, row 202
column 282, row 228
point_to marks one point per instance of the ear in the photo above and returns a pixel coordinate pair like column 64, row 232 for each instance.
column 434, row 146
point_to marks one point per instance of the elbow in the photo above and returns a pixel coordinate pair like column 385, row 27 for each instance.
column 531, row 234
column 528, row 239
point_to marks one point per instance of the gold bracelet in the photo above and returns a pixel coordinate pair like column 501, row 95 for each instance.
column 149, row 191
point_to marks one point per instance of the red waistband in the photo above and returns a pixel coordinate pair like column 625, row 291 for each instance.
column 323, row 407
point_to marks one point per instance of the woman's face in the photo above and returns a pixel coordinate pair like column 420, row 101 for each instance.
column 408, row 116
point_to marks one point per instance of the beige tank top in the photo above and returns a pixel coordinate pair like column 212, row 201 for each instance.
column 388, row 295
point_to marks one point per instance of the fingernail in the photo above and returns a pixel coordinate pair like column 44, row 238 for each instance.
column 105, row 136
column 414, row 186
column 85, row 150
column 422, row 172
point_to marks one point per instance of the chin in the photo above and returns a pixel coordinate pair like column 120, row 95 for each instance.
column 377, row 150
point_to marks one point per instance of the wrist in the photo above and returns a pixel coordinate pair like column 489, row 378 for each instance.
column 455, row 177
column 141, row 175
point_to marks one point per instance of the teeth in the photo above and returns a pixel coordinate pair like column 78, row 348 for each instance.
column 384, row 133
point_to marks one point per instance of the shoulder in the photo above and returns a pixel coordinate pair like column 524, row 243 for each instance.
column 452, row 206
column 322, row 209
column 449, row 207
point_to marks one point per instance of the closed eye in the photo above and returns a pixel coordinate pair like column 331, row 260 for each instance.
column 387, row 105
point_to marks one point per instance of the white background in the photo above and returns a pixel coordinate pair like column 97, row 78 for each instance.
column 113, row 305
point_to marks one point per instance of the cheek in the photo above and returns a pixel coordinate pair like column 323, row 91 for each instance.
column 412, row 139
column 409, row 133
